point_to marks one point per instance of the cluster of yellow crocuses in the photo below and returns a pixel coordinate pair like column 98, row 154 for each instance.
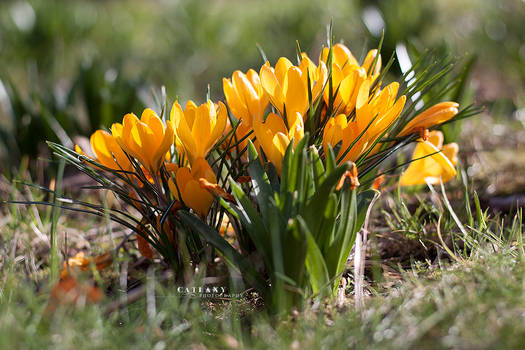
column 361, row 110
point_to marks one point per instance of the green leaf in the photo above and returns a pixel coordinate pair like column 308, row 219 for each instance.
column 316, row 204
column 261, row 183
column 319, row 173
column 252, row 221
column 315, row 263
column 286, row 168
column 252, row 277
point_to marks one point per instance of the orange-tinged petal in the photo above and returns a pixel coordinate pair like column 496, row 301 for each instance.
column 197, row 198
column 296, row 92
column 344, row 95
column 120, row 136
column 306, row 64
column 107, row 151
column 281, row 143
column 148, row 145
column 99, row 146
column 435, row 115
column 201, row 129
column 390, row 116
column 221, row 119
column 282, row 67
column 362, row 97
column 343, row 56
column 246, row 91
column 296, row 130
column 182, row 177
column 176, row 114
column 335, row 132
column 185, row 135
column 152, row 120
column 237, row 105
column 165, row 145
column 359, row 76
column 276, row 154
column 201, row 169
column 190, row 112
column 274, row 124
column 193, row 195
column 272, row 87
column 319, row 80
column 369, row 60
column 253, row 77
column 129, row 139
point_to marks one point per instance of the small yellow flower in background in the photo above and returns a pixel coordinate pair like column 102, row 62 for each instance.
column 187, row 182
column 373, row 117
column 433, row 167
column 69, row 291
column 199, row 127
column 146, row 139
column 245, row 96
column 81, row 262
column 107, row 151
column 287, row 85
column 274, row 137
column 437, row 114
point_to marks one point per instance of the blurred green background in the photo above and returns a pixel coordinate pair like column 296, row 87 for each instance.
column 70, row 67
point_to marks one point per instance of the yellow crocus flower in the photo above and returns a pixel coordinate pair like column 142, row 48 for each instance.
column 435, row 165
column 367, row 64
column 373, row 116
column 437, row 114
column 345, row 87
column 348, row 76
column 245, row 95
column 341, row 57
column 187, row 182
column 107, row 151
column 146, row 139
column 199, row 127
column 274, row 137
column 287, row 85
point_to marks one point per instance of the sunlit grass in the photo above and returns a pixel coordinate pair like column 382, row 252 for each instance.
column 439, row 303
